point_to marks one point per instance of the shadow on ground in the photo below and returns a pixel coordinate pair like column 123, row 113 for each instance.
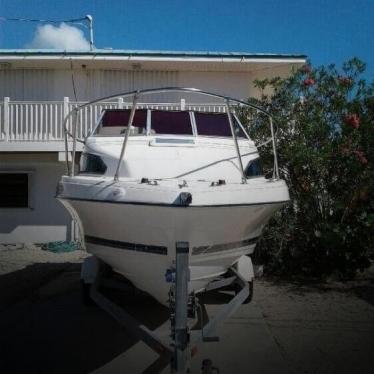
column 365, row 292
column 46, row 329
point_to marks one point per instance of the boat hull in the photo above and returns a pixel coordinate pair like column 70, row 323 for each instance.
column 139, row 240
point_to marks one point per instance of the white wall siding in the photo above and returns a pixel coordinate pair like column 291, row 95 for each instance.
column 27, row 84
column 53, row 85
column 50, row 85
column 235, row 84
column 281, row 71
column 46, row 220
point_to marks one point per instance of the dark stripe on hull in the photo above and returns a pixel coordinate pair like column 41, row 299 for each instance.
column 137, row 247
column 205, row 249
column 170, row 205
column 162, row 250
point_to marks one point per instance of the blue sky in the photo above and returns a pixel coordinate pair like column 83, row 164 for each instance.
column 327, row 31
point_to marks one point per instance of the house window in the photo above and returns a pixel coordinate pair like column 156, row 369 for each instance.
column 14, row 190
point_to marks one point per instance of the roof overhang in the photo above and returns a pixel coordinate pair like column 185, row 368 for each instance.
column 146, row 60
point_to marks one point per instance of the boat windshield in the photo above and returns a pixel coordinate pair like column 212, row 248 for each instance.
column 171, row 122
column 114, row 123
column 216, row 124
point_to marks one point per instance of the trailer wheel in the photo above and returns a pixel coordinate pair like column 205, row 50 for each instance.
column 86, row 294
column 237, row 289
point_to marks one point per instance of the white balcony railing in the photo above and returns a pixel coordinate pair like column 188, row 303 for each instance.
column 42, row 121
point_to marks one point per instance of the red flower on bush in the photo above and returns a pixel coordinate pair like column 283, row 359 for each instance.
column 360, row 157
column 352, row 119
column 309, row 82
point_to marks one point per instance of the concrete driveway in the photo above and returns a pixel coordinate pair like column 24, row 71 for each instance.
column 288, row 328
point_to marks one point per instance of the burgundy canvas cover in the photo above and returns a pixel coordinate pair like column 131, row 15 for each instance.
column 166, row 122
column 120, row 117
column 216, row 124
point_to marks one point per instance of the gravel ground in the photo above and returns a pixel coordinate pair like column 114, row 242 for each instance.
column 16, row 257
column 318, row 328
column 45, row 329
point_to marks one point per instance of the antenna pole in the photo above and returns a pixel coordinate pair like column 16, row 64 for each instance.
column 89, row 18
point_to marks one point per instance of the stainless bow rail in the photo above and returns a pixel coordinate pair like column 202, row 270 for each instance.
column 136, row 95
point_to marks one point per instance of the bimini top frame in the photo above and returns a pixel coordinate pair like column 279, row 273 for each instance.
column 135, row 98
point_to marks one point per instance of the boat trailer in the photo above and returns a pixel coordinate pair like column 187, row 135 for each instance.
column 190, row 324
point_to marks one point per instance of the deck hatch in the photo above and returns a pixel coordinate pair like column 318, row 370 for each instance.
column 164, row 142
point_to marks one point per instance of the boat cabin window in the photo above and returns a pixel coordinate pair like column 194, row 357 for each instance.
column 254, row 169
column 216, row 124
column 92, row 164
column 114, row 122
column 166, row 122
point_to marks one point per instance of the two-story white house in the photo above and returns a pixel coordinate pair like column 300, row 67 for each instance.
column 39, row 87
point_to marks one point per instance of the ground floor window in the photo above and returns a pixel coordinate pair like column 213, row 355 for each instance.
column 14, row 190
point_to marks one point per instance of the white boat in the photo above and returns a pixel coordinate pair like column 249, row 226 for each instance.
column 150, row 178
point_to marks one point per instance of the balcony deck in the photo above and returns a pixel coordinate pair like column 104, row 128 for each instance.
column 36, row 126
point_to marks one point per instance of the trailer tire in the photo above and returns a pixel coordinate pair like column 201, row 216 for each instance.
column 86, row 294
column 237, row 289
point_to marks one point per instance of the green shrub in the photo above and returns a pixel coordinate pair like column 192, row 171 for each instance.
column 325, row 135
